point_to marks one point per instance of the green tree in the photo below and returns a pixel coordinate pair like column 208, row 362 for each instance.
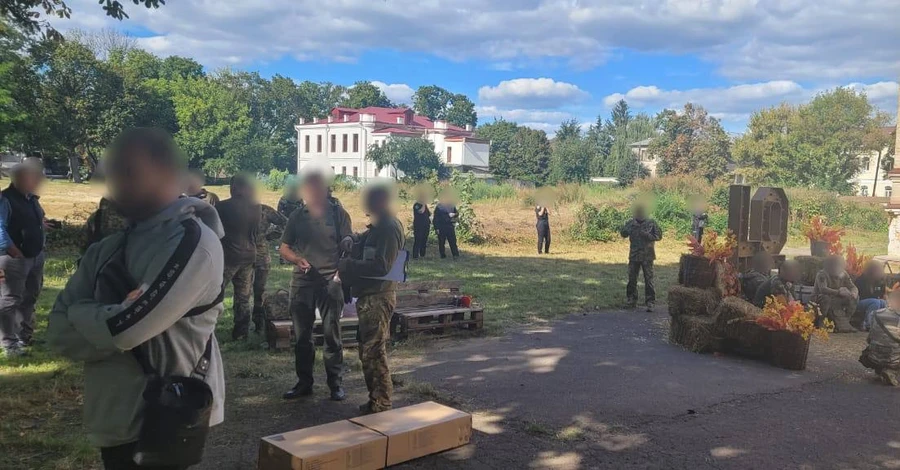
column 501, row 134
column 569, row 129
column 175, row 67
column 812, row 145
column 529, row 155
column 691, row 142
column 364, row 94
column 435, row 102
column 322, row 97
column 570, row 161
column 414, row 157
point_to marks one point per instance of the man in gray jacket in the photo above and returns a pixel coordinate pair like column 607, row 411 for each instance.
column 155, row 287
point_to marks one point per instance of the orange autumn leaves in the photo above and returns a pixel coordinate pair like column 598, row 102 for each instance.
column 816, row 230
column 792, row 316
column 856, row 262
column 714, row 247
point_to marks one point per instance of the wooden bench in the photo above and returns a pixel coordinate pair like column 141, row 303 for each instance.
column 433, row 306
column 280, row 333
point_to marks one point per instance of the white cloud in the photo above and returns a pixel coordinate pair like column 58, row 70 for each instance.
column 800, row 40
column 396, row 92
column 532, row 93
column 486, row 113
column 736, row 103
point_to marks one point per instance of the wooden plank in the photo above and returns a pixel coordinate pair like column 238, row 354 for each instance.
column 428, row 286
column 433, row 312
column 424, row 300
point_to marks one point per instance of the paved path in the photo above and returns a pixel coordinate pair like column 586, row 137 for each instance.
column 608, row 391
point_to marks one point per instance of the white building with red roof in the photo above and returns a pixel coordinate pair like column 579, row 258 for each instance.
column 342, row 140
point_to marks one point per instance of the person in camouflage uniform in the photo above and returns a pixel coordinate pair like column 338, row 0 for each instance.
column 836, row 294
column 240, row 220
column 290, row 200
column 103, row 222
column 374, row 252
column 760, row 272
column 781, row 285
column 642, row 233
column 195, row 181
column 271, row 223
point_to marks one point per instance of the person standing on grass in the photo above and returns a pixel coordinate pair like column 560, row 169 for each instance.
column 240, row 219
column 153, row 292
column 542, row 214
column 195, row 181
column 378, row 248
column 642, row 233
column 421, row 224
column 445, row 215
column 312, row 242
column 22, row 243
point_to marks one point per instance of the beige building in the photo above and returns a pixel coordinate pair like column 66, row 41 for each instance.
column 872, row 179
column 640, row 150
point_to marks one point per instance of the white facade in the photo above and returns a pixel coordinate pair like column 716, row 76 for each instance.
column 871, row 179
column 340, row 142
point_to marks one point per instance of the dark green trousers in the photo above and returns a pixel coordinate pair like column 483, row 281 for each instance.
column 330, row 302
column 635, row 268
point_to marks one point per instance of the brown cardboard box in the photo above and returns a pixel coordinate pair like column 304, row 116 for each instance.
column 336, row 446
column 418, row 430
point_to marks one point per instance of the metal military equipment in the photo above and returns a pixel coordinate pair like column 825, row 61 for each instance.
column 759, row 223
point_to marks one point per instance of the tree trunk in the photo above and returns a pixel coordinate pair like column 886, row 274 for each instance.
column 74, row 161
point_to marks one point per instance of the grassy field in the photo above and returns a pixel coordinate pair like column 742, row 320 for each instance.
column 40, row 395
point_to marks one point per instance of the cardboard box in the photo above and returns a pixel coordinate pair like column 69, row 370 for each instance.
column 336, row 446
column 419, row 430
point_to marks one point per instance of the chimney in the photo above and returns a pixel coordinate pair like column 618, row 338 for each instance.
column 400, row 120
column 440, row 124
column 346, row 118
column 469, row 127
column 330, row 118
column 302, row 121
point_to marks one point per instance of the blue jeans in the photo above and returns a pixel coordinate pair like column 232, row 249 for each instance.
column 870, row 306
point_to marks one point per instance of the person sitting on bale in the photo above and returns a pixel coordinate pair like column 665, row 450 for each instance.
column 871, row 285
column 882, row 353
column 760, row 272
column 780, row 285
column 836, row 294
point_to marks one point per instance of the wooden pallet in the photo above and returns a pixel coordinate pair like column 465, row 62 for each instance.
column 431, row 306
column 280, row 333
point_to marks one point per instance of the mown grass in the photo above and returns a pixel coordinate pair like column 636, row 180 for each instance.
column 40, row 395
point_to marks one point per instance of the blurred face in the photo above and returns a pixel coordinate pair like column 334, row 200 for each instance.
column 762, row 263
column 640, row 213
column 789, row 271
column 893, row 300
column 194, row 184
column 875, row 270
column 835, row 266
column 377, row 203
column 314, row 191
column 136, row 182
column 29, row 181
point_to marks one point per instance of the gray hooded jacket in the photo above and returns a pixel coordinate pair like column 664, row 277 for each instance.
column 176, row 257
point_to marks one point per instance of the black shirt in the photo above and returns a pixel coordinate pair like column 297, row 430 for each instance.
column 240, row 220
column 870, row 289
column 421, row 219
column 543, row 217
column 442, row 219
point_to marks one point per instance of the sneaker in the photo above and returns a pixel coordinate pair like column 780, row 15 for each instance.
column 338, row 394
column 297, row 392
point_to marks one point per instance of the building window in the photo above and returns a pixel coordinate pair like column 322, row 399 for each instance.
column 319, row 143
column 343, row 170
column 887, row 191
column 355, row 174
column 355, row 143
column 307, row 144
column 865, row 164
column 333, row 143
column 864, row 191
column 449, row 154
column 344, row 144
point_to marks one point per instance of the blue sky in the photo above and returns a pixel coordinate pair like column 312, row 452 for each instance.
column 539, row 62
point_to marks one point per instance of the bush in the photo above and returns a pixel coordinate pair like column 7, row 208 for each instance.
column 598, row 223
column 672, row 214
column 806, row 203
column 275, row 180
column 468, row 227
column 482, row 190
column 344, row 183
column 678, row 185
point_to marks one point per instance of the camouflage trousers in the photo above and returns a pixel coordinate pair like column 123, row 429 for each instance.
column 374, row 329
column 260, row 277
column 634, row 268
column 241, row 278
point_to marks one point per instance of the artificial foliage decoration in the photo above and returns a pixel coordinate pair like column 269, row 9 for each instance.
column 817, row 230
column 856, row 262
column 714, row 247
column 781, row 314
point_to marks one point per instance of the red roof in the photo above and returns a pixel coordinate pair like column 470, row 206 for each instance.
column 396, row 130
column 388, row 116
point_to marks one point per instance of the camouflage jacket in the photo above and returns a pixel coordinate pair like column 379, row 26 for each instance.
column 774, row 286
column 271, row 224
column 287, row 207
column 751, row 281
column 105, row 221
column 643, row 236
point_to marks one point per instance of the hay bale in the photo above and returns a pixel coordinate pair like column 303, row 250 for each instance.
column 692, row 301
column 693, row 333
column 277, row 305
column 733, row 310
column 809, row 267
